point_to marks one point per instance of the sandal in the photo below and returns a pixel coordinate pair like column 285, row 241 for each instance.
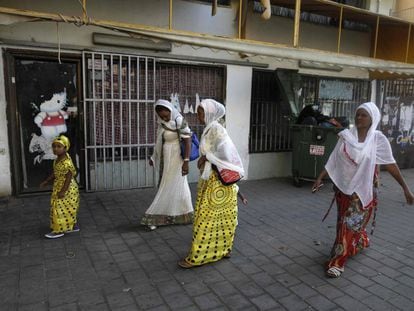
column 228, row 255
column 334, row 272
column 185, row 264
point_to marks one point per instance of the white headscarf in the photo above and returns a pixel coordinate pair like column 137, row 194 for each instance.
column 351, row 165
column 176, row 122
column 215, row 143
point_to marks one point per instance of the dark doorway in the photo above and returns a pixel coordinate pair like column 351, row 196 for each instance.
column 43, row 101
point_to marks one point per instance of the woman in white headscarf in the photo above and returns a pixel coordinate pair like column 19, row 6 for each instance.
column 353, row 168
column 172, row 203
column 215, row 217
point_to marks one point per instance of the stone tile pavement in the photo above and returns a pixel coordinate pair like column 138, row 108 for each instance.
column 280, row 247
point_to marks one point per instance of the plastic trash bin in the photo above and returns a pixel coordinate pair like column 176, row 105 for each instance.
column 311, row 147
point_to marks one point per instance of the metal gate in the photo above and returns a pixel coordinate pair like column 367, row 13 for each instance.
column 119, row 121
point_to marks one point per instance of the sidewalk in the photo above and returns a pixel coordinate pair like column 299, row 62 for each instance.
column 280, row 247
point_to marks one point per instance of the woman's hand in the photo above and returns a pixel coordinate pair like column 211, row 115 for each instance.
column 319, row 181
column 201, row 162
column 43, row 184
column 61, row 194
column 317, row 185
column 409, row 196
column 184, row 168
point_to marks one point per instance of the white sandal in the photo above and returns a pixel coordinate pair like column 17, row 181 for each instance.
column 334, row 272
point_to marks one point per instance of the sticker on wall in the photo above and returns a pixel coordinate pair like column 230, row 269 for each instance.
column 51, row 120
column 197, row 102
column 175, row 101
column 186, row 108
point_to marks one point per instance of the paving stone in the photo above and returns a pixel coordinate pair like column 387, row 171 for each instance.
column 287, row 279
column 360, row 279
column 348, row 303
column 65, row 307
column 207, row 301
column 378, row 304
column 265, row 302
column 385, row 281
column 402, row 303
column 303, row 290
column 293, row 302
column 224, row 288
column 62, row 298
column 149, row 300
column 196, row 288
column 93, row 297
column 320, row 303
column 178, row 301
column 41, row 306
column 356, row 292
column 329, row 291
column 115, row 265
column 236, row 302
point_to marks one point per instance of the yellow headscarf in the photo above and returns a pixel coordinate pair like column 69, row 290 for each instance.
column 63, row 140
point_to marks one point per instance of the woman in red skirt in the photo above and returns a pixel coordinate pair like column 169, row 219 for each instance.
column 352, row 167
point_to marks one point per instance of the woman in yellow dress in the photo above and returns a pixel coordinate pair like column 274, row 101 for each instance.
column 65, row 195
column 215, row 217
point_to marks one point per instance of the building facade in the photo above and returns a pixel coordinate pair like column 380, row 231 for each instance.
column 94, row 71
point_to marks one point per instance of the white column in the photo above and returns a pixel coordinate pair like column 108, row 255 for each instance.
column 238, row 98
column 5, row 176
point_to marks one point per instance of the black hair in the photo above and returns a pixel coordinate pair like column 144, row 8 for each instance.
column 160, row 108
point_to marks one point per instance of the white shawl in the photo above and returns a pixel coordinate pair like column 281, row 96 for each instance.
column 351, row 165
column 215, row 143
column 175, row 123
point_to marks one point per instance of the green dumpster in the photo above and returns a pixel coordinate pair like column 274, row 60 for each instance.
column 311, row 147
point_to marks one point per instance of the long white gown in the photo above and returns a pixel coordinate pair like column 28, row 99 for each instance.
column 172, row 203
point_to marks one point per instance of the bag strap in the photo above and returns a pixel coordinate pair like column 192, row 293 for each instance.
column 177, row 130
column 330, row 207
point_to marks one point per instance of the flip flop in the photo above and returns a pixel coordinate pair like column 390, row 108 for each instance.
column 185, row 265
column 334, row 272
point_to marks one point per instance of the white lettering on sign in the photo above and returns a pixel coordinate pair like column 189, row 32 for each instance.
column 316, row 150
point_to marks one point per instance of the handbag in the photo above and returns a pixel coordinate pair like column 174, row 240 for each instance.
column 194, row 152
column 226, row 176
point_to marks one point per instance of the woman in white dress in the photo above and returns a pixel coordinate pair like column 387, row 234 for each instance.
column 172, row 203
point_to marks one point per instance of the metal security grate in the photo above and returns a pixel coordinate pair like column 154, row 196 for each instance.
column 336, row 97
column 119, row 94
column 269, row 118
column 186, row 82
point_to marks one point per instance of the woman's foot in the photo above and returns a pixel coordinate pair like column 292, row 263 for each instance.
column 184, row 264
column 228, row 255
column 334, row 272
column 152, row 227
column 53, row 235
column 74, row 229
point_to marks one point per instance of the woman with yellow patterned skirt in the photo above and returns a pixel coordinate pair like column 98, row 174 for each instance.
column 65, row 195
column 215, row 217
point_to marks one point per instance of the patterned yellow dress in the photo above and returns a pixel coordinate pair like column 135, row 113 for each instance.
column 63, row 211
column 215, row 221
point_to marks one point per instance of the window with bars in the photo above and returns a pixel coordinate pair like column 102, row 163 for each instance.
column 335, row 97
column 269, row 117
column 121, row 120
column 189, row 83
